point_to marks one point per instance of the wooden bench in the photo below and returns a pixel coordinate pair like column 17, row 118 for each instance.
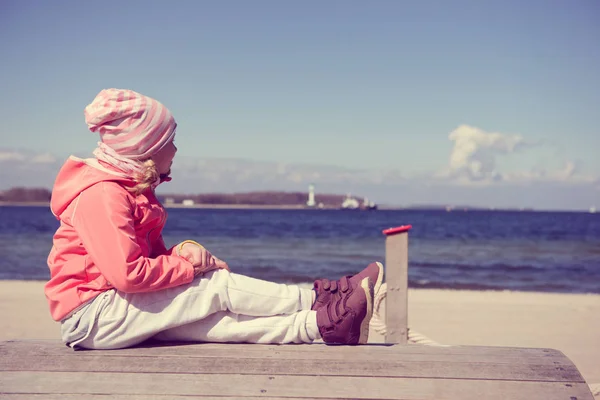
column 391, row 370
column 49, row 370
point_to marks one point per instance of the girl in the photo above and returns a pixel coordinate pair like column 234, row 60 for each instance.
column 113, row 282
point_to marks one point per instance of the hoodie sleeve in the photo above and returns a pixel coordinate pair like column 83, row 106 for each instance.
column 159, row 248
column 104, row 221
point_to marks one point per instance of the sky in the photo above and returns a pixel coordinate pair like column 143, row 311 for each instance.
column 466, row 102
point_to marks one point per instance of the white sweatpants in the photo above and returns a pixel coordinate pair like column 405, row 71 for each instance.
column 218, row 307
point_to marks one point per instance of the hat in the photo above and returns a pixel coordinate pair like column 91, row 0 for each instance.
column 133, row 125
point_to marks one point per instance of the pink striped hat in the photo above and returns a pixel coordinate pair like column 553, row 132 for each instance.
column 133, row 125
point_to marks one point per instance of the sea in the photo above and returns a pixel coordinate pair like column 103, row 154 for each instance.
column 473, row 250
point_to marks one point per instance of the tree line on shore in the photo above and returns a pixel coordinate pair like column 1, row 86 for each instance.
column 271, row 198
column 25, row 195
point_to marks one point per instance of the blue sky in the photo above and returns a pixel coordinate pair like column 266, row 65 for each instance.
column 460, row 102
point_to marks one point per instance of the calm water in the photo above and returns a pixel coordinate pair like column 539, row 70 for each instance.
column 557, row 252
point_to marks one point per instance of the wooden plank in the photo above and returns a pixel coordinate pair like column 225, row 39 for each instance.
column 513, row 356
column 53, row 347
column 233, row 352
column 241, row 365
column 79, row 396
column 396, row 277
column 227, row 363
column 241, row 386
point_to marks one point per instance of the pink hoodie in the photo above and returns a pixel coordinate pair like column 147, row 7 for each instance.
column 108, row 238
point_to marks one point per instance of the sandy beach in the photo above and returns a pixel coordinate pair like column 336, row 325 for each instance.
column 567, row 322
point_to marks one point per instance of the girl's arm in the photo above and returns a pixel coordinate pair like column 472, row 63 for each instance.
column 159, row 248
column 104, row 222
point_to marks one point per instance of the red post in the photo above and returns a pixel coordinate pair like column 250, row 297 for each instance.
column 396, row 277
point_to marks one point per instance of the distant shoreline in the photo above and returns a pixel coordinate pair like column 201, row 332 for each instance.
column 207, row 206
column 204, row 206
column 24, row 203
column 303, row 207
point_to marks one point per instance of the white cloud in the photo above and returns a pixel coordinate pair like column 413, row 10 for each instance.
column 471, row 177
column 473, row 157
column 11, row 156
column 288, row 175
column 22, row 168
column 568, row 171
column 26, row 157
column 474, row 161
column 568, row 174
column 45, row 158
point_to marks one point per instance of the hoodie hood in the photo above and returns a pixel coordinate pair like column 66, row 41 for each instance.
column 75, row 176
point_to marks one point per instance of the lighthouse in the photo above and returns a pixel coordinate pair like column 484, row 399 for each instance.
column 311, row 196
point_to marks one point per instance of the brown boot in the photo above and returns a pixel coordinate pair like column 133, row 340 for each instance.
column 345, row 319
column 324, row 288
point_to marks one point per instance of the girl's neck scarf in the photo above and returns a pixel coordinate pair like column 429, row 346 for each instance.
column 128, row 168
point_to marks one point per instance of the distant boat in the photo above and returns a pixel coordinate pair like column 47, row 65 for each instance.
column 369, row 205
column 592, row 210
column 350, row 203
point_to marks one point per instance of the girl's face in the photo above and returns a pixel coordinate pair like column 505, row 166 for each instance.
column 164, row 158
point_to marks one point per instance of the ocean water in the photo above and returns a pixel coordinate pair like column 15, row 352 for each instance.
column 531, row 251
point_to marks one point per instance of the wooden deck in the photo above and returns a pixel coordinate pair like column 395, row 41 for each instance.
column 49, row 370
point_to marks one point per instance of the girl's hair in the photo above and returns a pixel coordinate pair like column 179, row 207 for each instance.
column 145, row 178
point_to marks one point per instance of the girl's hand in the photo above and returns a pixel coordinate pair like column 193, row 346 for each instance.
column 197, row 255
column 221, row 264
column 202, row 260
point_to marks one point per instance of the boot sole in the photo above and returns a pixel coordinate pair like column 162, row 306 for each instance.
column 364, row 325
